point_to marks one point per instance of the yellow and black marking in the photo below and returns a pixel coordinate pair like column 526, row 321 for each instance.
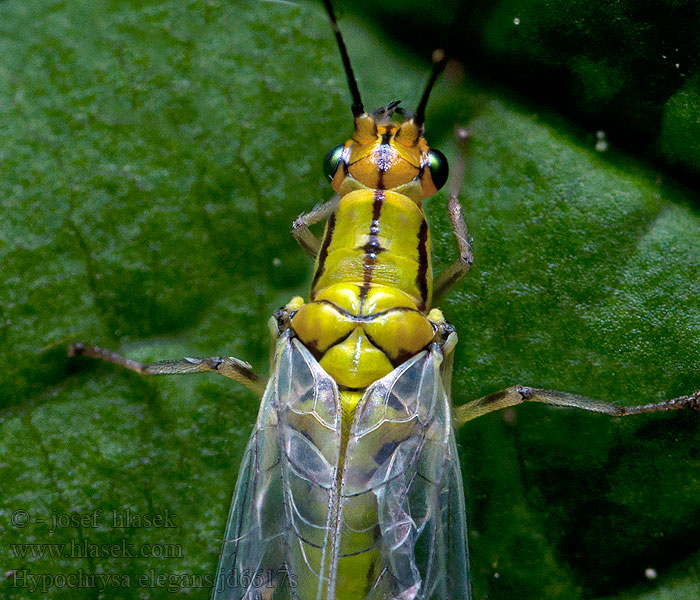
column 338, row 500
column 372, row 285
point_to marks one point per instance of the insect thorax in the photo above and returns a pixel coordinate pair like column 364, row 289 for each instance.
column 372, row 287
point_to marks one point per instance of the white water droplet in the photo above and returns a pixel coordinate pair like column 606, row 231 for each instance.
column 516, row 21
column 601, row 145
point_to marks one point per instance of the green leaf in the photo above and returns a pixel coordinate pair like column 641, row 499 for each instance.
column 154, row 157
column 628, row 68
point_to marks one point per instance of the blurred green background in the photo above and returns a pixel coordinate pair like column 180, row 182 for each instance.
column 629, row 68
column 154, row 156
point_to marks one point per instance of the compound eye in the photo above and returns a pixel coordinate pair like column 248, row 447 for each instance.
column 439, row 170
column 332, row 161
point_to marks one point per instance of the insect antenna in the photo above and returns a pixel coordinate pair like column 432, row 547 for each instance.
column 357, row 107
column 439, row 61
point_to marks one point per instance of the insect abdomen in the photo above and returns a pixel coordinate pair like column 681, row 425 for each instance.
column 372, row 286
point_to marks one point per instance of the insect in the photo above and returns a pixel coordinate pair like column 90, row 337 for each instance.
column 379, row 476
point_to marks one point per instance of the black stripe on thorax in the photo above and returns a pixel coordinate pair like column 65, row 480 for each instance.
column 323, row 252
column 366, row 318
column 371, row 247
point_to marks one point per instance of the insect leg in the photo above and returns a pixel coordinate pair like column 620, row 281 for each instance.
column 519, row 394
column 300, row 228
column 461, row 266
column 227, row 366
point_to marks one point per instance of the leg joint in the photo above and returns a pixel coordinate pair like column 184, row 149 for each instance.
column 525, row 392
column 76, row 349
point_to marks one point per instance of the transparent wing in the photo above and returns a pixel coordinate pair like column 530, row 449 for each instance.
column 254, row 539
column 379, row 514
column 280, row 508
column 450, row 575
column 310, row 420
column 454, row 527
column 401, row 511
